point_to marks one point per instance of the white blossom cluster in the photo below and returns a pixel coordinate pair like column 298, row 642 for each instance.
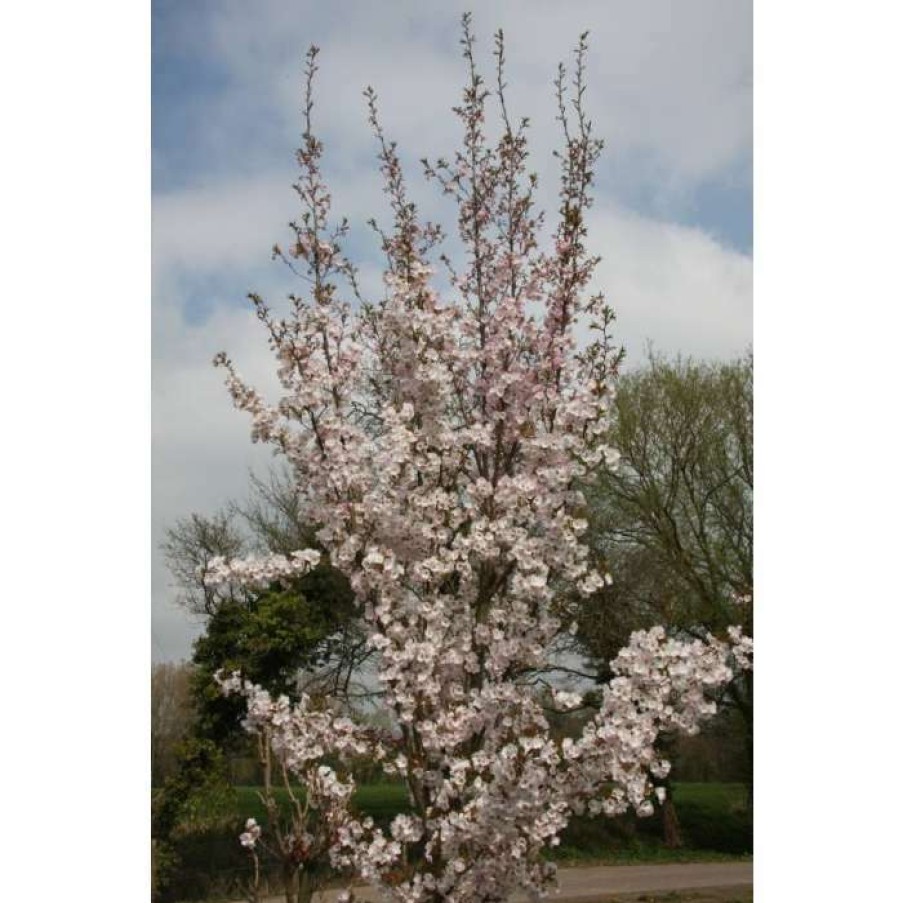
column 440, row 444
column 260, row 572
column 299, row 734
column 251, row 834
column 661, row 684
column 302, row 737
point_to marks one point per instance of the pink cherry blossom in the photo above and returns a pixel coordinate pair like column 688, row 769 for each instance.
column 440, row 441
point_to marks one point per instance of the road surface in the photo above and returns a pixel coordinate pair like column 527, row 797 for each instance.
column 589, row 884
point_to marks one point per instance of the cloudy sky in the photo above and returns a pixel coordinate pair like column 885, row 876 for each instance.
column 670, row 90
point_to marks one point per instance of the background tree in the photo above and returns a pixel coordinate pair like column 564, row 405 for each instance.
column 287, row 637
column 291, row 637
column 675, row 521
column 189, row 546
column 171, row 716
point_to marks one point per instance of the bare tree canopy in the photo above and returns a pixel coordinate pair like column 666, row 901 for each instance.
column 675, row 520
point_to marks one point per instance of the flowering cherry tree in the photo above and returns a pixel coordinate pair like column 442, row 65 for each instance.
column 440, row 441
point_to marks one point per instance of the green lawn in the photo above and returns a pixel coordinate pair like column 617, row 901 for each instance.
column 380, row 801
column 714, row 819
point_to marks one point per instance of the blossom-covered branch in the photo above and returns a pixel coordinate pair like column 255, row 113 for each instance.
column 440, row 443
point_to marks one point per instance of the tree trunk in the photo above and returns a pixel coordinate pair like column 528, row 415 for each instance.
column 306, row 887
column 741, row 694
column 671, row 824
column 290, row 880
column 671, row 833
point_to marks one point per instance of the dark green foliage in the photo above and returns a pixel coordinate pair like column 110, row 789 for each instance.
column 201, row 769
column 210, row 863
column 199, row 780
column 715, row 816
column 714, row 820
column 269, row 638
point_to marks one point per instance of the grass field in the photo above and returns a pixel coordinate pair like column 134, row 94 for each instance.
column 380, row 801
column 714, row 819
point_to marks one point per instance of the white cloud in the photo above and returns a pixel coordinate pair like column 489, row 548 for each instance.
column 668, row 89
column 202, row 453
column 227, row 225
column 671, row 284
column 670, row 86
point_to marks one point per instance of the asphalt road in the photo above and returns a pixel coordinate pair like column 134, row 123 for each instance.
column 585, row 885
column 582, row 885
